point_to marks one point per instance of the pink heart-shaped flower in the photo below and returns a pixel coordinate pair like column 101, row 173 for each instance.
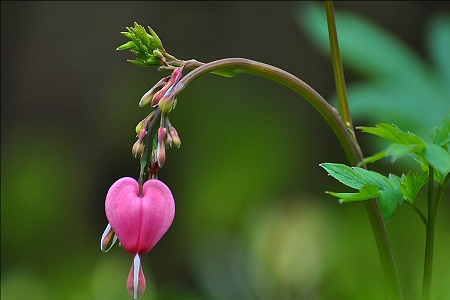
column 139, row 222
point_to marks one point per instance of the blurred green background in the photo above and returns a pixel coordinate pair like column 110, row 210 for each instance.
column 252, row 218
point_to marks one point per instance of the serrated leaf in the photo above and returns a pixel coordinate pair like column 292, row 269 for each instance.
column 345, row 175
column 395, row 181
column 374, row 178
column 441, row 134
column 388, row 201
column 367, row 192
column 394, row 134
column 411, row 185
column 437, row 157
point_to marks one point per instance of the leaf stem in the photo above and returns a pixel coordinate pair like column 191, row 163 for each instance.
column 419, row 213
column 429, row 244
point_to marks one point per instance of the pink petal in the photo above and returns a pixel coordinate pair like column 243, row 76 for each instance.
column 139, row 223
column 136, row 279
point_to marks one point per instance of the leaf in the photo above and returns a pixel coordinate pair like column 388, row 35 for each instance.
column 388, row 201
column 438, row 38
column 398, row 85
column 395, row 181
column 372, row 42
column 367, row 192
column 345, row 175
column 395, row 150
column 374, row 178
column 411, row 184
column 128, row 45
column 392, row 133
column 441, row 134
column 437, row 157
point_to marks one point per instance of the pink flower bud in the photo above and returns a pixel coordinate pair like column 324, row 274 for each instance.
column 161, row 147
column 176, row 76
column 175, row 138
column 148, row 97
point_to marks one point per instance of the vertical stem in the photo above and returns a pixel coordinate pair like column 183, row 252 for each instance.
column 372, row 206
column 337, row 66
column 429, row 246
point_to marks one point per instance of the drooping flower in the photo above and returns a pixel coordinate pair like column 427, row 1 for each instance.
column 138, row 221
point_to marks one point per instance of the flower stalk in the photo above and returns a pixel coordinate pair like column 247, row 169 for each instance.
column 372, row 206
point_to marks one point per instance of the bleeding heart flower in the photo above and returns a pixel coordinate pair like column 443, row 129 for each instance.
column 139, row 222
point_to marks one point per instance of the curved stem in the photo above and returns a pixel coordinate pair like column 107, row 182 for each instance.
column 330, row 114
column 243, row 65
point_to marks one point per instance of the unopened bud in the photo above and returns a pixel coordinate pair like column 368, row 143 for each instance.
column 108, row 239
column 166, row 104
column 148, row 97
column 175, row 138
column 137, row 149
column 176, row 76
column 161, row 147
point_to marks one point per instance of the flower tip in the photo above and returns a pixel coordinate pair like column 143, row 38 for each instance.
column 136, row 279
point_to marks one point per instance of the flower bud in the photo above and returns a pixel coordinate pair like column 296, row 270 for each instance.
column 161, row 147
column 108, row 239
column 176, row 76
column 148, row 97
column 175, row 138
column 166, row 104
column 137, row 149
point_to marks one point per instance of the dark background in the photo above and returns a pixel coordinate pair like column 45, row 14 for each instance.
column 252, row 220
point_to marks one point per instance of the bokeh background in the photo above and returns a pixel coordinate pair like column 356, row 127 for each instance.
column 253, row 220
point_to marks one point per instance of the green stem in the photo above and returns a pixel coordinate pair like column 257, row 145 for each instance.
column 418, row 212
column 146, row 156
column 337, row 66
column 330, row 114
column 372, row 206
column 429, row 244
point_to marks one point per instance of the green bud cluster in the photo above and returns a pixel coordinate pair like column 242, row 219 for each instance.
column 147, row 46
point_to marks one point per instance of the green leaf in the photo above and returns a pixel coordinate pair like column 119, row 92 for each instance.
column 411, row 185
column 373, row 158
column 392, row 133
column 439, row 41
column 388, row 201
column 374, row 178
column 355, row 177
column 441, row 134
column 437, row 157
column 367, row 192
column 128, row 45
column 345, row 175
column 395, row 181
column 373, row 42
